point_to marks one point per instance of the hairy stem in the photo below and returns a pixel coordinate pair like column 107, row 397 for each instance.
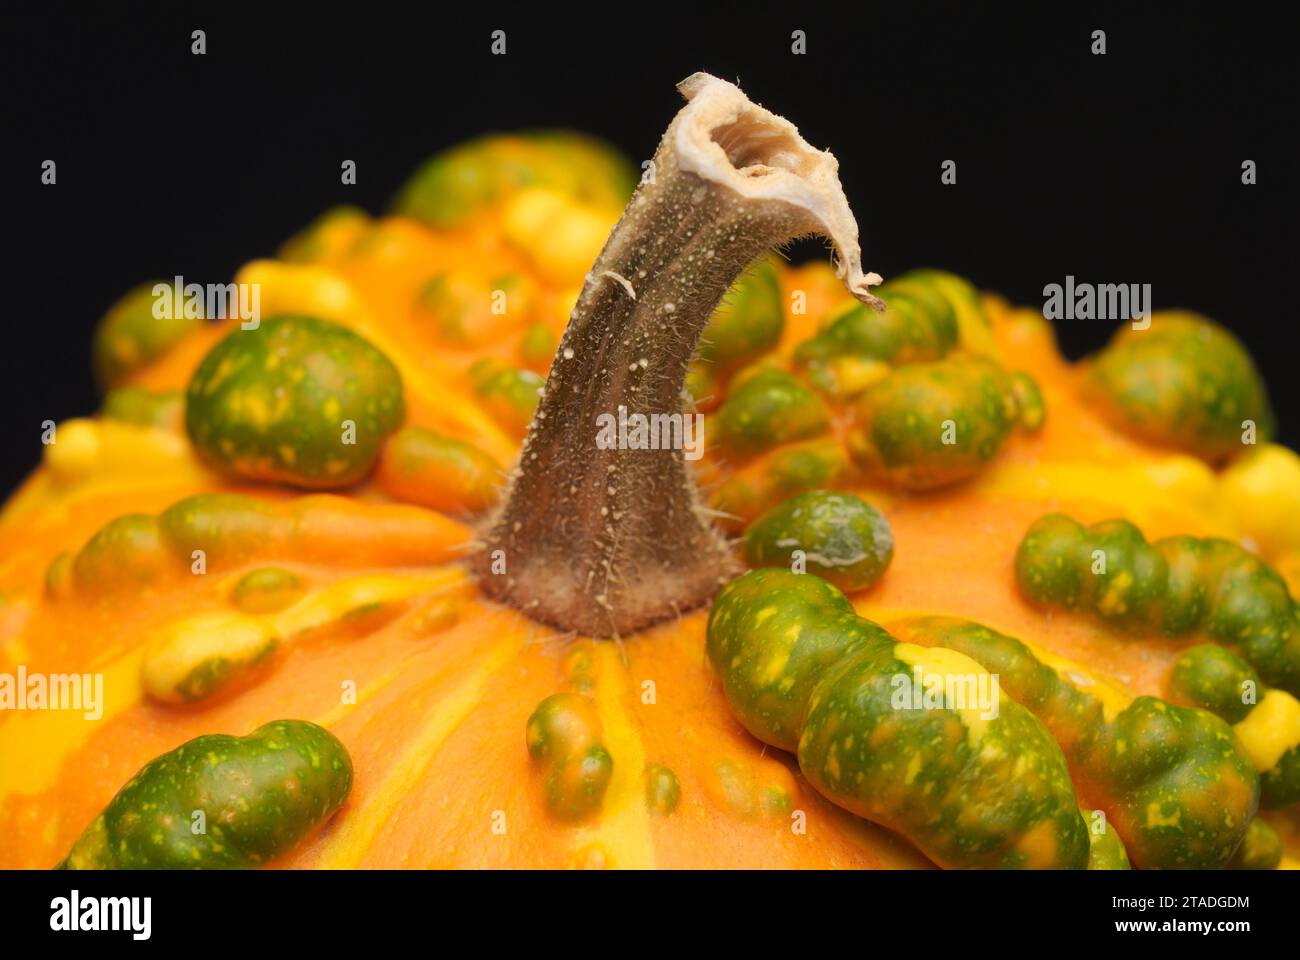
column 605, row 541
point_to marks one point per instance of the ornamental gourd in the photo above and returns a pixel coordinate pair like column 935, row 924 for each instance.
column 354, row 585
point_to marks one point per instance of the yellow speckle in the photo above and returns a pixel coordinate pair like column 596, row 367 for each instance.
column 1112, row 602
column 252, row 404
column 913, row 768
column 833, row 762
column 773, row 666
column 1156, row 819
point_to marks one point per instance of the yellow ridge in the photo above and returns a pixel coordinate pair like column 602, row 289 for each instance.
column 56, row 500
column 623, row 831
column 1174, row 483
column 1110, row 693
column 34, row 743
column 338, row 599
column 357, row 832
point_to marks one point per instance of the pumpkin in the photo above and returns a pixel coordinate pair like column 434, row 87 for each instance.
column 429, row 567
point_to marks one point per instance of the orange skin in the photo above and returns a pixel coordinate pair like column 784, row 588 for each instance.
column 445, row 682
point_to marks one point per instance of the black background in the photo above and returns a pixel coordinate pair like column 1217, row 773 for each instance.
column 355, row 912
column 1117, row 168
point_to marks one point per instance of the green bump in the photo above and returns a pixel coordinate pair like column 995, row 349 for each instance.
column 577, row 783
column 227, row 527
column 1128, row 575
column 127, row 551
column 973, row 325
column 1172, row 781
column 58, row 575
column 766, row 410
column 464, row 180
column 1279, row 786
column 1188, row 591
column 842, row 538
column 1050, row 563
column 1185, row 382
column 1260, row 850
column 456, row 305
column 977, row 788
column 932, row 424
column 1215, row 679
column 1030, row 405
column 563, row 734
column 662, row 790
column 784, row 473
column 130, row 337
column 266, row 590
column 439, row 471
column 915, row 326
column 1184, row 789
column 298, row 400
column 509, row 395
column 144, row 408
column 311, row 244
column 559, row 725
column 973, row 785
column 772, row 634
column 1176, row 585
column 747, row 324
column 221, row 802
column 134, row 549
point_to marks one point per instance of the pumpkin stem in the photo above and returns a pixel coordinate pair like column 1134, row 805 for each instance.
column 601, row 535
